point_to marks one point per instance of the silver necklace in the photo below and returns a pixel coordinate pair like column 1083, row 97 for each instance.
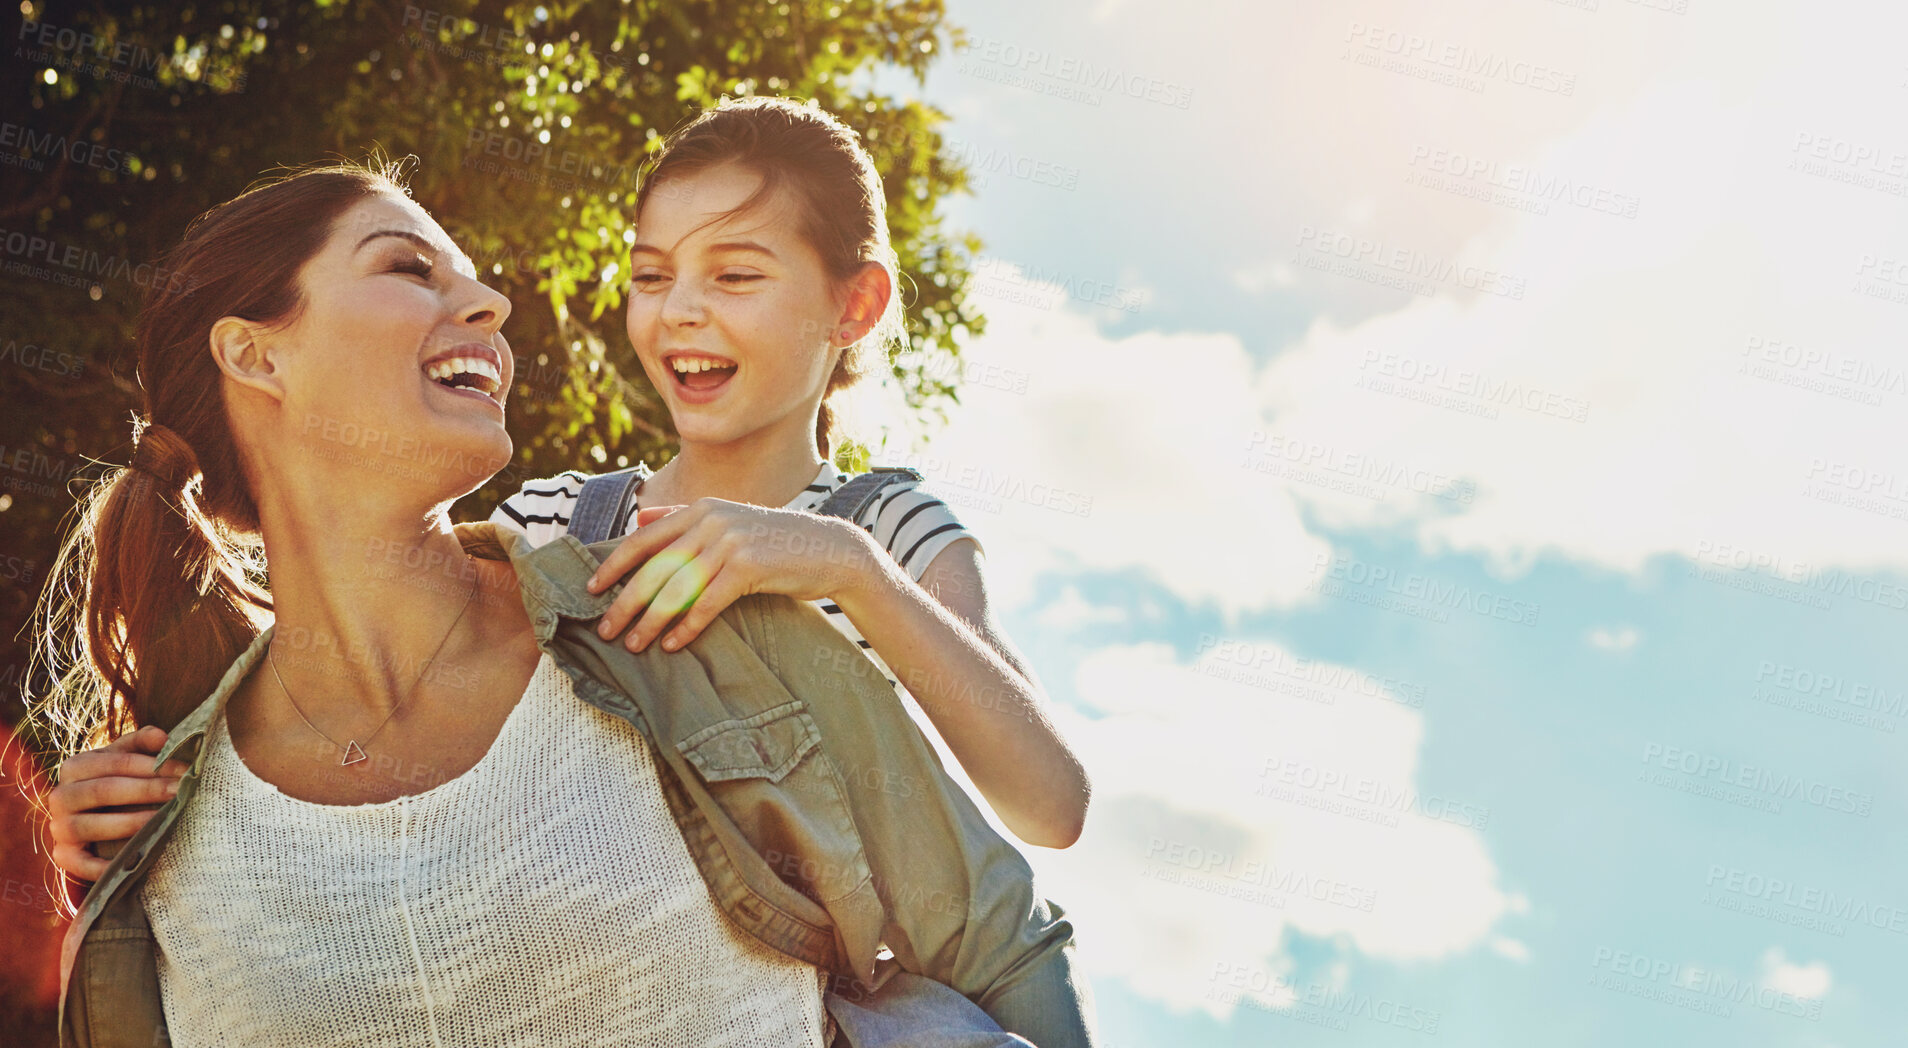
column 353, row 752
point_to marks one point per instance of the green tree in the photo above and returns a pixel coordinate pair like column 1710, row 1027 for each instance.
column 530, row 122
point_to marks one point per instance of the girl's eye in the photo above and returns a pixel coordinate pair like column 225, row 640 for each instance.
column 647, row 278
column 740, row 277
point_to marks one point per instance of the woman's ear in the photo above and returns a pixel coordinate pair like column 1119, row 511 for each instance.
column 239, row 350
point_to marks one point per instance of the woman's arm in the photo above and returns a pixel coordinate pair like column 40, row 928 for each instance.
column 950, row 652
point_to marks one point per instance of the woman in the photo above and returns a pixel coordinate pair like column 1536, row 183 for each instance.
column 676, row 856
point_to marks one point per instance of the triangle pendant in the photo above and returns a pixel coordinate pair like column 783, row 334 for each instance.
column 350, row 750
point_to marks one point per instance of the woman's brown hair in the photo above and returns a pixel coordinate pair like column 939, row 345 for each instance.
column 842, row 205
column 160, row 584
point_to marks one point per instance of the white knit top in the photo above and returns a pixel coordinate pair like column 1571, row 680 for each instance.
column 544, row 897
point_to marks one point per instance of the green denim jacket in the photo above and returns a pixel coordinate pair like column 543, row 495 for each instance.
column 821, row 820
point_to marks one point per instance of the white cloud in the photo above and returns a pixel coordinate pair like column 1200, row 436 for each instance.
column 1621, row 638
column 1808, row 982
column 1228, row 812
column 1070, row 611
column 1074, row 451
column 1515, row 949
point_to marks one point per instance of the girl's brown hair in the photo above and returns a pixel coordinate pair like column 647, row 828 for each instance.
column 160, row 584
column 842, row 204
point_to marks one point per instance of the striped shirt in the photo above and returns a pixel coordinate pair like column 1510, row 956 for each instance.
column 908, row 521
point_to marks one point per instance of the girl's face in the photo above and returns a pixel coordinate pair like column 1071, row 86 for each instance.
column 734, row 322
column 396, row 364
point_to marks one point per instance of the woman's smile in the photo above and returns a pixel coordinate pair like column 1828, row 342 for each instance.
column 470, row 370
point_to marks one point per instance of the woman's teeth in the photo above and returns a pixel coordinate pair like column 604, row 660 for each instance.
column 468, row 372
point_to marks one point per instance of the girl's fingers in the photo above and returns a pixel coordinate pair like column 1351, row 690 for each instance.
column 637, row 547
column 78, row 862
column 651, row 514
column 722, row 591
column 642, row 588
column 671, row 600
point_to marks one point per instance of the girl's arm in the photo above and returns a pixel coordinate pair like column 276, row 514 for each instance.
column 946, row 647
column 950, row 653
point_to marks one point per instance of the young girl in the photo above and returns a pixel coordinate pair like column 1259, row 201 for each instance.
column 762, row 283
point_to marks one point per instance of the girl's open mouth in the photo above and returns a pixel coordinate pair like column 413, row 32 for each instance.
column 700, row 373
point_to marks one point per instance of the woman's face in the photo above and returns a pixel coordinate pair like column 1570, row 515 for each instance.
column 733, row 321
column 396, row 364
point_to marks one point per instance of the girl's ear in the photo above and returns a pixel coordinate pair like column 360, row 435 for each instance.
column 238, row 349
column 867, row 300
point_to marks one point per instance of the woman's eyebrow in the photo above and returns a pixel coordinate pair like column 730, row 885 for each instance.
column 459, row 261
column 404, row 234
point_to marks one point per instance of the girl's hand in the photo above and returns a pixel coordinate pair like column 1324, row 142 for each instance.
column 697, row 559
column 107, row 794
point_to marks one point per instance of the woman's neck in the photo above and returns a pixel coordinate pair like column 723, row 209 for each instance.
column 365, row 595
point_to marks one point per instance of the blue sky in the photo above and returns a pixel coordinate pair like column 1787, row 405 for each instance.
column 1447, row 467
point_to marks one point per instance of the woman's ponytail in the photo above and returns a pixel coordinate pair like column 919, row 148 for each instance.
column 160, row 585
